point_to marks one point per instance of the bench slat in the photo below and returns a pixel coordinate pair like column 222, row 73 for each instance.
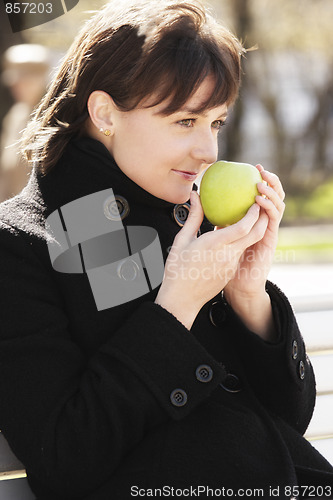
column 8, row 461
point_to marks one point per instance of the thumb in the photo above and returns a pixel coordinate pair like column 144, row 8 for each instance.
column 195, row 217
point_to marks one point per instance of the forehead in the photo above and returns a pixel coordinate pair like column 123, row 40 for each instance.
column 202, row 94
column 200, row 97
column 195, row 102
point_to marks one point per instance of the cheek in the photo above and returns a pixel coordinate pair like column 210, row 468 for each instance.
column 147, row 147
column 152, row 148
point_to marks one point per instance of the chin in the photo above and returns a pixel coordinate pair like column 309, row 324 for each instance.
column 178, row 198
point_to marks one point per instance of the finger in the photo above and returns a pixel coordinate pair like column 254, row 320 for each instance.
column 274, row 181
column 275, row 214
column 272, row 195
column 194, row 219
column 260, row 167
column 242, row 227
column 257, row 232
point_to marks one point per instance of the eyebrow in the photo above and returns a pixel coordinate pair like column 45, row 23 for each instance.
column 194, row 112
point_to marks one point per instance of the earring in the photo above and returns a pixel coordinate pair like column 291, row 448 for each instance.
column 106, row 132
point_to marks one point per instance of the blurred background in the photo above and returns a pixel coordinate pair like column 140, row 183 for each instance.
column 283, row 120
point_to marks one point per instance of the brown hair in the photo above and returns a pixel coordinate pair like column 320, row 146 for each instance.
column 138, row 49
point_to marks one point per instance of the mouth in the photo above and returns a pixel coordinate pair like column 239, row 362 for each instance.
column 189, row 176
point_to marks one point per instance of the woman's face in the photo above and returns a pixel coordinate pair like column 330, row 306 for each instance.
column 165, row 154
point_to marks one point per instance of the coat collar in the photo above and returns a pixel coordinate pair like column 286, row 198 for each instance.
column 85, row 168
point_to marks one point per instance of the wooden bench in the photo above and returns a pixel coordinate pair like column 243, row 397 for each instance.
column 309, row 288
column 317, row 331
column 13, row 481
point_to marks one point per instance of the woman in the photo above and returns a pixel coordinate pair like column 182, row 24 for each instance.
column 115, row 378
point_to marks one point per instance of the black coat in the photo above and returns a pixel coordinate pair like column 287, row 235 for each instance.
column 87, row 396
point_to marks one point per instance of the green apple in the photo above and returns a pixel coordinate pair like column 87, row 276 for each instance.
column 227, row 191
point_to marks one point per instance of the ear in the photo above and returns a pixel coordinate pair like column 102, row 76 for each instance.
column 100, row 108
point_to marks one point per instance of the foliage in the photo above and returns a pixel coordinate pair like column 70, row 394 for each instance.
column 317, row 206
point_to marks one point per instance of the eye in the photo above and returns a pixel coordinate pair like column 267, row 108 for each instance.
column 188, row 122
column 218, row 124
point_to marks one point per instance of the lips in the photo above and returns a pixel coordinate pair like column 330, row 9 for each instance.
column 189, row 176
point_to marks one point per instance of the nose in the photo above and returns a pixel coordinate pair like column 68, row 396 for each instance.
column 205, row 147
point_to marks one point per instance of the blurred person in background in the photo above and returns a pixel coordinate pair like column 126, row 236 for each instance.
column 26, row 69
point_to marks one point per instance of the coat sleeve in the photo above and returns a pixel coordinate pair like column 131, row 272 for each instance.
column 279, row 373
column 71, row 420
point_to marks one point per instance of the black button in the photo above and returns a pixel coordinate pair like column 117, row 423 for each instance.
column 217, row 313
column 301, row 370
column 180, row 213
column 231, row 383
column 115, row 207
column 204, row 373
column 178, row 397
column 295, row 349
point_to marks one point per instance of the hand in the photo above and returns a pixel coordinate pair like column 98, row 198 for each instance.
column 198, row 268
column 246, row 291
column 257, row 259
